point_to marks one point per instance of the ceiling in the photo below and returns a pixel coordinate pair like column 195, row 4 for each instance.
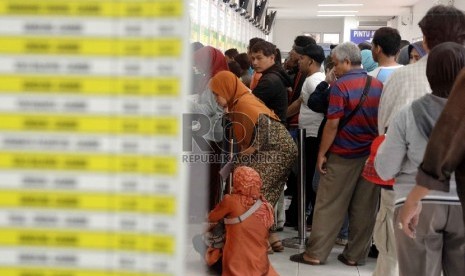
column 310, row 9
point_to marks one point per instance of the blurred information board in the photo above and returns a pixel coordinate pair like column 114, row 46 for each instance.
column 90, row 175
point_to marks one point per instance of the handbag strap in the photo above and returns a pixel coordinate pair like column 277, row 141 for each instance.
column 362, row 100
column 245, row 215
column 298, row 76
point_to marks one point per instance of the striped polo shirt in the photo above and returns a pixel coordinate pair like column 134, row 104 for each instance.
column 354, row 139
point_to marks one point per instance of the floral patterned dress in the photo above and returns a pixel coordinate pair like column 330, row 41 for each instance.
column 274, row 158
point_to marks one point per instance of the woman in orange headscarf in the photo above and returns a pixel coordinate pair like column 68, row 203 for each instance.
column 245, row 249
column 264, row 142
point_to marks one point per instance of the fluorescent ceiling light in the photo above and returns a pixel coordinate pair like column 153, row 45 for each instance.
column 340, row 5
column 336, row 15
column 337, row 11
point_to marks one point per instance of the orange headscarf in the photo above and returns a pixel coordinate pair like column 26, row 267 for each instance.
column 243, row 106
column 247, row 184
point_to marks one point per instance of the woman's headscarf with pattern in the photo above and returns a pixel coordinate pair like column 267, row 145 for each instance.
column 247, row 183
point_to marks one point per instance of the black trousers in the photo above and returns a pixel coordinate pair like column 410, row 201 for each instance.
column 312, row 145
column 214, row 187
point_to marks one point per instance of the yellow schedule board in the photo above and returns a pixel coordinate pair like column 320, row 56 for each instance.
column 91, row 102
column 102, row 8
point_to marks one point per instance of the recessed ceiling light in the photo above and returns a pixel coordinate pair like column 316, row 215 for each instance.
column 336, row 15
column 340, row 5
column 337, row 11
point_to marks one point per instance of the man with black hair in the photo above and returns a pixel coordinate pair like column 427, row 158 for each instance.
column 294, row 105
column 252, row 42
column 272, row 90
column 230, row 54
column 386, row 43
column 404, row 43
column 244, row 63
column 255, row 75
column 311, row 58
column 302, row 41
column 365, row 46
column 293, row 110
column 440, row 24
column 272, row 86
column 235, row 68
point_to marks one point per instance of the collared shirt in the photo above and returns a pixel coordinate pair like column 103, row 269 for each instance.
column 355, row 138
column 404, row 86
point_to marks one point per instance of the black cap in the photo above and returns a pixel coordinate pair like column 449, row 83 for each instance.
column 313, row 51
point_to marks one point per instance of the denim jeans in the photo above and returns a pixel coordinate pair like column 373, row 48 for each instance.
column 344, row 233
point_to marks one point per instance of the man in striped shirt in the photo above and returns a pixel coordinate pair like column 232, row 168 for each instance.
column 341, row 158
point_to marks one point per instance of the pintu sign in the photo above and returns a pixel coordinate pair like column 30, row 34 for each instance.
column 359, row 36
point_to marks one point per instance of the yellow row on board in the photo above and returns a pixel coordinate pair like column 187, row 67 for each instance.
column 128, row 86
column 89, row 201
column 153, row 47
column 90, row 124
column 108, row 202
column 47, row 271
column 89, row 163
column 101, row 8
column 88, row 240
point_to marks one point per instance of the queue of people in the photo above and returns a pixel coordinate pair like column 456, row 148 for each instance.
column 382, row 136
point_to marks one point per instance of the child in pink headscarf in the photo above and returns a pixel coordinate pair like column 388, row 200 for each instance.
column 245, row 250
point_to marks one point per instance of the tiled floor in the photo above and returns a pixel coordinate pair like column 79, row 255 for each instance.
column 280, row 261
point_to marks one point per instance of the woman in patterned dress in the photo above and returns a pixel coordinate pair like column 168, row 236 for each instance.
column 264, row 143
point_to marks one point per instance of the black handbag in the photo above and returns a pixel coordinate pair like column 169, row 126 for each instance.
column 319, row 99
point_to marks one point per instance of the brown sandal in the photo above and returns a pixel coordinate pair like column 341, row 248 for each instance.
column 270, row 249
column 275, row 242
column 277, row 246
column 344, row 260
column 299, row 258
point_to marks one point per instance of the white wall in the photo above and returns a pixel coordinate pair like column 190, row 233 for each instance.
column 411, row 31
column 285, row 30
column 460, row 4
column 350, row 23
column 419, row 11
